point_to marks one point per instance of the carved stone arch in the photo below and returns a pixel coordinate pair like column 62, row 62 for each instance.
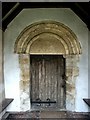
column 55, row 38
column 58, row 30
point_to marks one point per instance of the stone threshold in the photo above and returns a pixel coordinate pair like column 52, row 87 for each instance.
column 5, row 104
column 49, row 115
column 47, row 109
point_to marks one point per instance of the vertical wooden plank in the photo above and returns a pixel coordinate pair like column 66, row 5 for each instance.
column 37, row 77
column 30, row 78
column 50, row 75
column 47, row 85
column 33, row 80
column 62, row 81
column 59, row 81
column 55, row 79
column 35, row 86
column 48, row 78
column 40, row 78
column 64, row 89
column 41, row 82
column 62, row 66
column 45, row 78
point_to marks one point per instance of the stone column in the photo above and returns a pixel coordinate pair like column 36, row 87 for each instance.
column 24, row 61
column 72, row 71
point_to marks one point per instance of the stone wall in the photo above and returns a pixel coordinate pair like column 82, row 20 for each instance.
column 24, row 61
column 72, row 71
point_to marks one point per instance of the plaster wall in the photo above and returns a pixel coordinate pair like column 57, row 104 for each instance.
column 11, row 63
column 2, row 88
column 89, row 66
column 89, row 63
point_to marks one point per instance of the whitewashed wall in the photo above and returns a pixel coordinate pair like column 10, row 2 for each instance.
column 11, row 65
column 2, row 89
column 89, row 66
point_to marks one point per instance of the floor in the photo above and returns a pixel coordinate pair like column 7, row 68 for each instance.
column 47, row 115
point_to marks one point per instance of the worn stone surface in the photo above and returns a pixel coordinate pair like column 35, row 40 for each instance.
column 47, row 43
column 24, row 62
column 49, row 115
column 72, row 71
column 61, row 32
column 24, row 66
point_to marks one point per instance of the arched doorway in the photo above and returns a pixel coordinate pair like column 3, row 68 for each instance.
column 48, row 38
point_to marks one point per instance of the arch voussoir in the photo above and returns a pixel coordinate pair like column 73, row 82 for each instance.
column 65, row 34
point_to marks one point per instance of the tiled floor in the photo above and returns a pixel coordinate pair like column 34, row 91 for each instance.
column 48, row 115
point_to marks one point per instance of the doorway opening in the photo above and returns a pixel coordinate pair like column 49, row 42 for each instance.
column 48, row 86
column 48, row 38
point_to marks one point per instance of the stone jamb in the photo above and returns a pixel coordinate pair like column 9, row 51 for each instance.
column 72, row 71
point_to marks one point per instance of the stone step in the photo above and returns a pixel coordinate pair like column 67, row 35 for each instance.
column 48, row 115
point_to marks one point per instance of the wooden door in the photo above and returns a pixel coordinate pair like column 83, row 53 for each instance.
column 47, row 81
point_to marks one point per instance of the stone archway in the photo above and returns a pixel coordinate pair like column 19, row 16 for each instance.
column 48, row 37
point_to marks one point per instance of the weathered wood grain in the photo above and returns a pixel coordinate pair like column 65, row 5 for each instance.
column 46, row 80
